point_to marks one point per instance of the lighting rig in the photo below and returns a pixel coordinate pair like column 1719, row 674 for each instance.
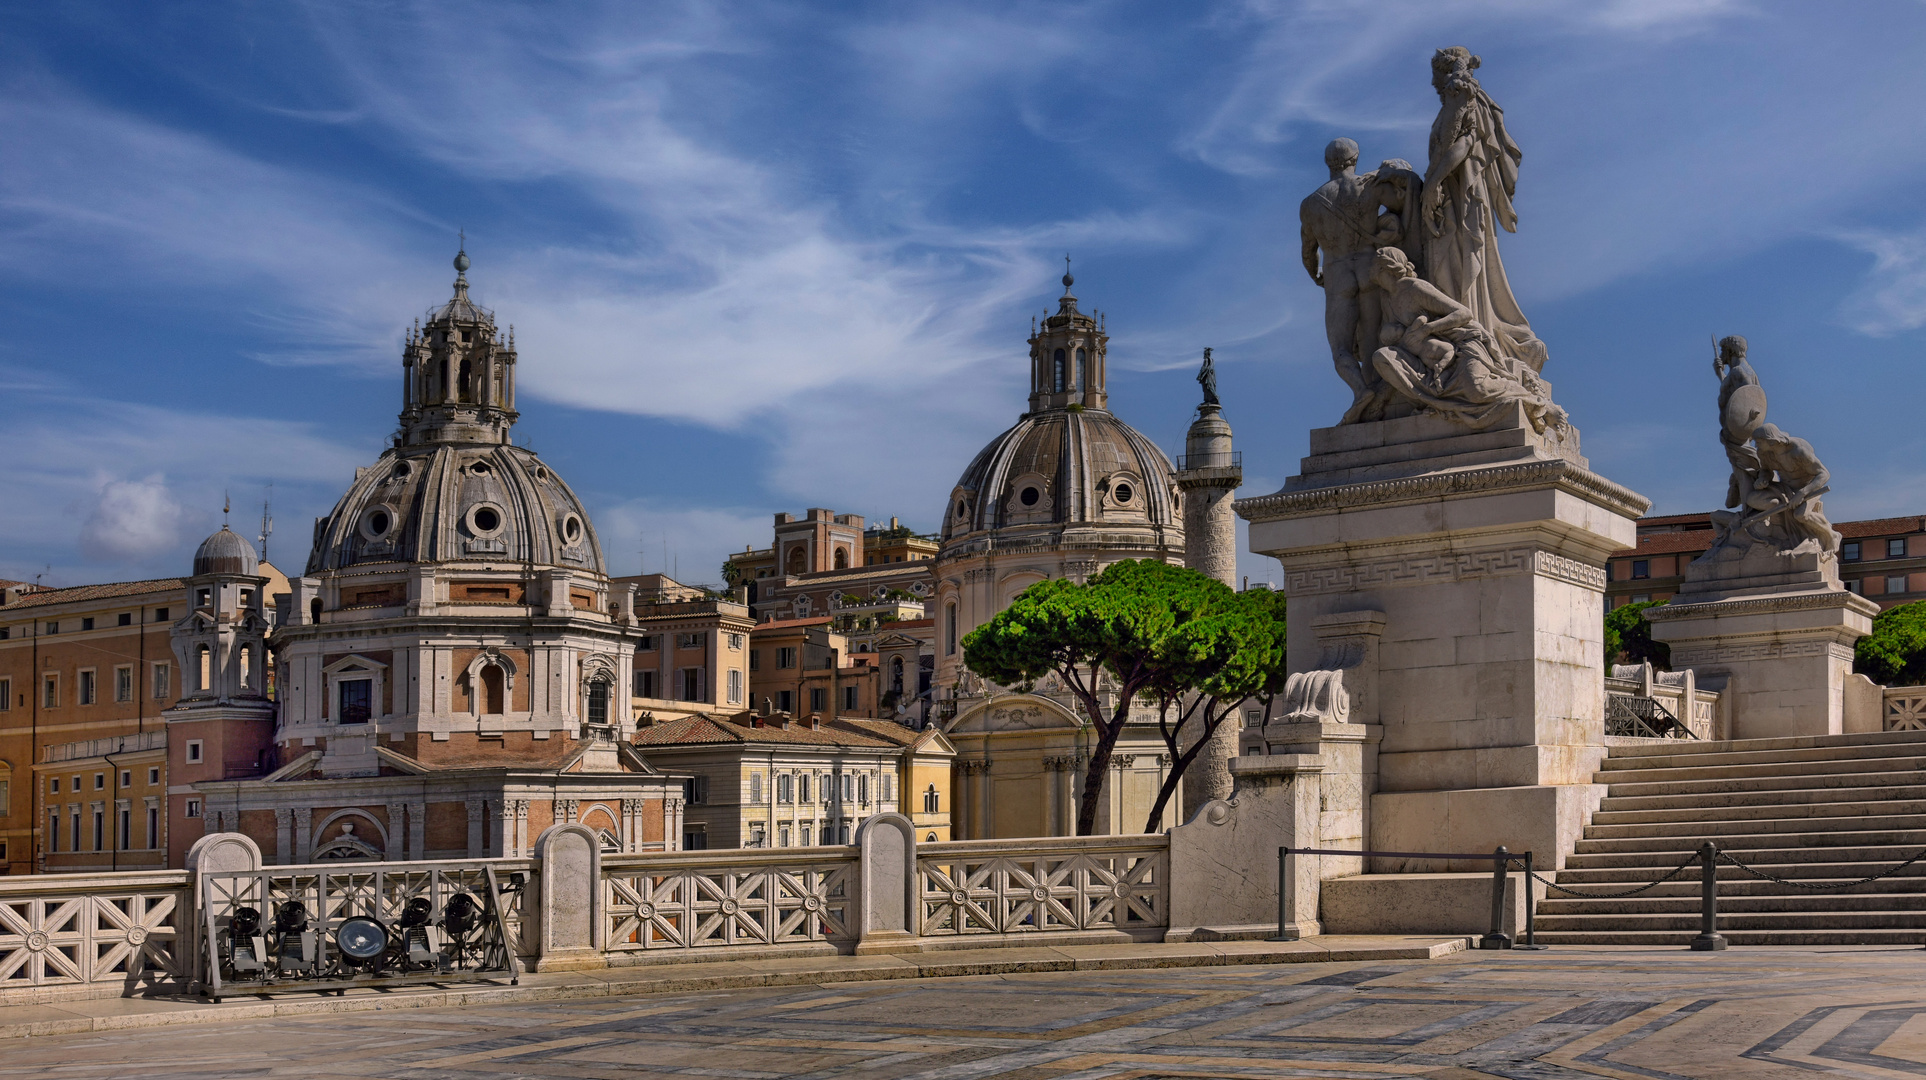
column 377, row 928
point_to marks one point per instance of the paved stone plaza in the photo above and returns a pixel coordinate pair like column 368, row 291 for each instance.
column 1568, row 1012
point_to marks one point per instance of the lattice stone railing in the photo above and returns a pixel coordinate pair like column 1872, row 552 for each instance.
column 1905, row 708
column 696, row 900
column 1039, row 885
column 75, row 930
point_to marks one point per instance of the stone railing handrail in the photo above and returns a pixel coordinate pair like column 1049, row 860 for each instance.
column 1047, row 845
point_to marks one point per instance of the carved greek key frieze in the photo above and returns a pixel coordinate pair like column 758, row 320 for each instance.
column 1441, row 569
column 1563, row 475
column 1684, row 655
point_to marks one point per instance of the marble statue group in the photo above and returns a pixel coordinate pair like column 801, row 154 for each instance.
column 1418, row 310
column 1773, row 497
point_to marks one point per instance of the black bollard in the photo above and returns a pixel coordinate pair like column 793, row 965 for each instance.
column 1497, row 939
column 1708, row 939
column 1531, row 904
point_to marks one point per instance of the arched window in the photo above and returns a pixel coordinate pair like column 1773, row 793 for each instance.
column 949, row 638
column 441, row 381
column 1083, row 370
column 464, row 391
column 798, row 563
column 930, row 800
column 206, row 668
column 314, row 609
column 493, row 698
column 896, row 674
column 1062, row 370
column 842, row 558
column 598, row 702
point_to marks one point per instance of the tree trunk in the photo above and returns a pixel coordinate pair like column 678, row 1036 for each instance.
column 1093, row 782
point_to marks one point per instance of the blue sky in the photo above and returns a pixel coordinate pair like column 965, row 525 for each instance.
column 769, row 256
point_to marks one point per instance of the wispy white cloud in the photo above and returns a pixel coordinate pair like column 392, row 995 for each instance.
column 1894, row 296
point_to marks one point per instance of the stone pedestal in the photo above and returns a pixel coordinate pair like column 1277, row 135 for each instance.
column 1784, row 651
column 1485, row 552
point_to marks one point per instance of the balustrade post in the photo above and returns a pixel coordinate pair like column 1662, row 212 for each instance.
column 567, row 905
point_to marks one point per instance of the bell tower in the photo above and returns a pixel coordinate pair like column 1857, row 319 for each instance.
column 1067, row 356
column 458, row 381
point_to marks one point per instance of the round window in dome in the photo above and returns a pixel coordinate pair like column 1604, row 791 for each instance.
column 485, row 520
column 402, row 469
column 480, row 468
column 1029, row 496
column 962, row 508
column 541, row 474
column 1121, row 493
column 571, row 529
column 377, row 523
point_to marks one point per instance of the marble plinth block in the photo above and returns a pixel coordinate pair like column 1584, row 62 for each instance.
column 1485, row 552
column 1785, row 656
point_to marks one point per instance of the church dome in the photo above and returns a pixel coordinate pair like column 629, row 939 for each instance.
column 225, row 553
column 453, row 502
column 1068, row 461
column 454, row 487
column 1061, row 467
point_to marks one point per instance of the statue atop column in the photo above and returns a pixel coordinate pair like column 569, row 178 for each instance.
column 1207, row 378
column 1457, row 345
column 1772, row 499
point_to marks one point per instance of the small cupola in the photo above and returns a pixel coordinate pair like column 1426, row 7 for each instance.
column 459, row 383
column 1067, row 356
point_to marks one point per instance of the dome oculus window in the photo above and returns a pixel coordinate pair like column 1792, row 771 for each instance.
column 962, row 508
column 571, row 529
column 480, row 468
column 1121, row 492
column 484, row 520
column 541, row 474
column 377, row 523
column 1029, row 496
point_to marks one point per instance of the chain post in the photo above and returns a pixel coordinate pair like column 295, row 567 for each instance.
column 1286, row 866
column 1709, row 939
column 1531, row 907
column 1497, row 938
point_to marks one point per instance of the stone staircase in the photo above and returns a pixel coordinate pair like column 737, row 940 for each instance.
column 1821, row 809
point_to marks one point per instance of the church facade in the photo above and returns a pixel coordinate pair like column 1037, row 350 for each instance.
column 1067, row 490
column 454, row 665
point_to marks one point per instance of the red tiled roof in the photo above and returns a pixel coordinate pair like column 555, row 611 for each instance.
column 1676, row 519
column 1898, row 526
column 99, row 592
column 777, row 624
column 1668, row 544
column 707, row 731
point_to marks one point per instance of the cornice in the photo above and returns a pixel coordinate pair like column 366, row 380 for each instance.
column 1804, row 601
column 1559, row 474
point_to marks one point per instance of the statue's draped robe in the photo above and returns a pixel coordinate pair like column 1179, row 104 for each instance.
column 1461, row 248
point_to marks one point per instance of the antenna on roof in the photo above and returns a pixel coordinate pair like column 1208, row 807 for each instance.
column 267, row 520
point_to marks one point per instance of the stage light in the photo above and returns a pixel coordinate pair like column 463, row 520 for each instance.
column 246, row 922
column 415, row 913
column 291, row 917
column 458, row 915
column 360, row 940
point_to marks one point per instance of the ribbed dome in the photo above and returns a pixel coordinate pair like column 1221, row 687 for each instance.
column 225, row 553
column 1064, row 467
column 447, row 502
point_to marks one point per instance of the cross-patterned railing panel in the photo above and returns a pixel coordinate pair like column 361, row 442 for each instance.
column 704, row 900
column 1905, row 708
column 1030, row 886
column 73, row 930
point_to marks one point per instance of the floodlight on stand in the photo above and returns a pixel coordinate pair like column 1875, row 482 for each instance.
column 291, row 917
column 458, row 915
column 246, row 922
column 415, row 913
column 360, row 940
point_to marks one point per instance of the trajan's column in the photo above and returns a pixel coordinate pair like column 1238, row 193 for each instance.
column 1208, row 474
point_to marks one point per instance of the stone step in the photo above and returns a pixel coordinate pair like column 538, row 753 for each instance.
column 1731, row 753
column 1803, row 903
column 1752, row 826
column 1760, row 858
column 1915, row 839
column 1625, row 876
column 1759, row 769
column 1686, row 887
column 1833, row 921
column 1683, row 748
column 1814, row 811
column 1801, row 782
column 1613, row 803
column 1681, row 939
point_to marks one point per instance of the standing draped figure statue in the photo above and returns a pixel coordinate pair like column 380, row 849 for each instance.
column 1467, row 192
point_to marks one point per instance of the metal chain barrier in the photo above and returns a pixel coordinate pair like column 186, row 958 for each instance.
column 1763, row 876
column 1616, row 895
